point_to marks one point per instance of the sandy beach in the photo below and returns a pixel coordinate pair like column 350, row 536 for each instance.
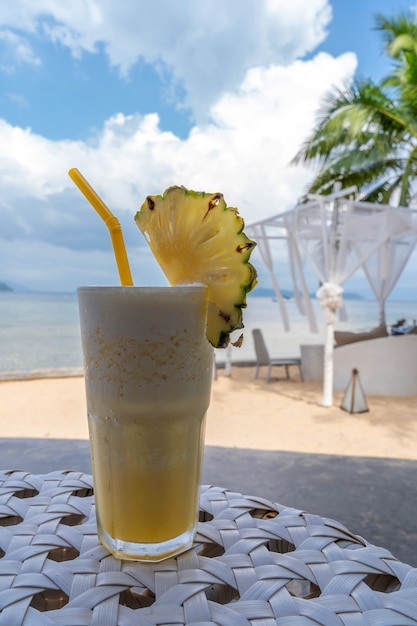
column 244, row 413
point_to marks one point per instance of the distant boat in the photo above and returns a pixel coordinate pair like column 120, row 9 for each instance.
column 284, row 296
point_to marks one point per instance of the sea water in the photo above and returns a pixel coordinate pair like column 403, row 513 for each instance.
column 41, row 331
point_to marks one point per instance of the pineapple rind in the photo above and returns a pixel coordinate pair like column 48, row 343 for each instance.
column 196, row 237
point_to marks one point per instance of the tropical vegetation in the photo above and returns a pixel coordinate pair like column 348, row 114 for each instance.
column 366, row 134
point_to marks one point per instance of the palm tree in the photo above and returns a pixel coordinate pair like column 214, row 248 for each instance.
column 366, row 134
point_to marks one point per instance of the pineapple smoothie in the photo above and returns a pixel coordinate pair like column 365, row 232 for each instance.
column 148, row 372
column 148, row 361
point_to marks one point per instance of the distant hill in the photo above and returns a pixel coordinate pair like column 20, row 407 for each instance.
column 265, row 292
column 10, row 285
column 349, row 295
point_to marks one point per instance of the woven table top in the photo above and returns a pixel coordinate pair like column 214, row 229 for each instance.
column 254, row 563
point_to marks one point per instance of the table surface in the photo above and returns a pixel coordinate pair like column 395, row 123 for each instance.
column 254, row 562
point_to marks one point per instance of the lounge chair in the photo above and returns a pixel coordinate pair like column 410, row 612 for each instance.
column 263, row 358
column 342, row 338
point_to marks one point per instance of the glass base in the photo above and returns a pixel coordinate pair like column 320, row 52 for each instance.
column 131, row 551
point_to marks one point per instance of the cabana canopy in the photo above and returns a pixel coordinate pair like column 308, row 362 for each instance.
column 336, row 236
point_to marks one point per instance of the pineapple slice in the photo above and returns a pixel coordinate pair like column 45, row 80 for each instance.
column 196, row 237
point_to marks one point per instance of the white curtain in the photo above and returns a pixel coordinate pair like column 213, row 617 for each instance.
column 384, row 267
column 300, row 287
column 258, row 233
column 336, row 237
column 339, row 236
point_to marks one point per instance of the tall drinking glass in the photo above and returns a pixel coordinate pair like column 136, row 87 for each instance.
column 148, row 371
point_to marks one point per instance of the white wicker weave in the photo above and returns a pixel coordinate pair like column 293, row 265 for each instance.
column 254, row 563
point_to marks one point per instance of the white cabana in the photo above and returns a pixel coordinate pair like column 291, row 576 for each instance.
column 337, row 235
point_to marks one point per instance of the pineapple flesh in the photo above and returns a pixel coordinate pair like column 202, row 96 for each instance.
column 197, row 238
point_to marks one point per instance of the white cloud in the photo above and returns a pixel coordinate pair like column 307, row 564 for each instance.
column 18, row 99
column 202, row 47
column 15, row 50
column 244, row 152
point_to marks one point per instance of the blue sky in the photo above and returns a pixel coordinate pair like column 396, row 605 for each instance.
column 139, row 96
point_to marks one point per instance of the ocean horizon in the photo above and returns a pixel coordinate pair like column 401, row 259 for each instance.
column 40, row 331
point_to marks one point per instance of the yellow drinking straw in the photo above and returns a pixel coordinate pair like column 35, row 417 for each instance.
column 111, row 222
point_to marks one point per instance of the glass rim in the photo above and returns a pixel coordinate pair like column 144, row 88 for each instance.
column 182, row 287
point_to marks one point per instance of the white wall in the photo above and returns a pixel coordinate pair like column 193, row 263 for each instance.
column 387, row 366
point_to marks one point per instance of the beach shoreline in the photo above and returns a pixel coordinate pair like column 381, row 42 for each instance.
column 284, row 415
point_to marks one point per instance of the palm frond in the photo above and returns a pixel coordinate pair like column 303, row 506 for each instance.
column 403, row 25
column 366, row 133
column 383, row 192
